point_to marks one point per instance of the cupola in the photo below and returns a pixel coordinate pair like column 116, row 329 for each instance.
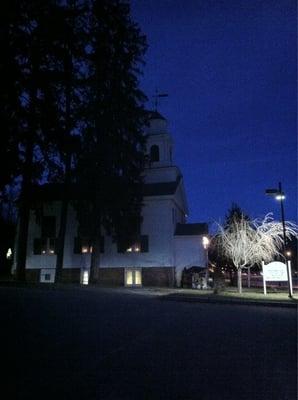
column 159, row 141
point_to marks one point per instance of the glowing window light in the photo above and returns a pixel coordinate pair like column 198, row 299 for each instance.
column 9, row 254
column 84, row 249
column 135, row 248
column 138, row 277
column 129, row 278
column 85, row 278
column 205, row 242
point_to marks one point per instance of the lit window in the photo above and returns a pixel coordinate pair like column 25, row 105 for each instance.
column 85, row 278
column 85, row 249
column 82, row 245
column 135, row 248
column 129, row 277
column 133, row 277
column 140, row 245
column 138, row 277
column 45, row 246
column 8, row 254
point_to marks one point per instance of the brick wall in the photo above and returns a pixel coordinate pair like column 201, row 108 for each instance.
column 111, row 276
column 163, row 276
column 32, row 275
column 71, row 275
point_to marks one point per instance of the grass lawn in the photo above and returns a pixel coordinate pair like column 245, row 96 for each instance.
column 247, row 294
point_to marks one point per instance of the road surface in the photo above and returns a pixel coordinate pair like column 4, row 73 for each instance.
column 90, row 343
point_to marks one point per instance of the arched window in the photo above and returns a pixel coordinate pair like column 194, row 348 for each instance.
column 154, row 153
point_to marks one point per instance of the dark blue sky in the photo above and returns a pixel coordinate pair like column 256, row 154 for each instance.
column 229, row 68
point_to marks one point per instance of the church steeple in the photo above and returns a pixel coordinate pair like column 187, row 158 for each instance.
column 159, row 141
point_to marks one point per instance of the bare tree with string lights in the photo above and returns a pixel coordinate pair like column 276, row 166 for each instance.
column 247, row 243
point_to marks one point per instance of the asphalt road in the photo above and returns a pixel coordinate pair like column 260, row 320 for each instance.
column 87, row 343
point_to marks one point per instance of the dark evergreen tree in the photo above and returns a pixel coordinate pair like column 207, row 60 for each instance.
column 10, row 107
column 32, row 123
column 7, row 236
column 70, row 71
column 71, row 42
column 235, row 214
column 113, row 144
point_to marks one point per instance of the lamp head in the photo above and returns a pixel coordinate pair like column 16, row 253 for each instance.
column 205, row 242
column 276, row 193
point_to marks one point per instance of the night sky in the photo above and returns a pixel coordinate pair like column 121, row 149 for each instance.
column 229, row 68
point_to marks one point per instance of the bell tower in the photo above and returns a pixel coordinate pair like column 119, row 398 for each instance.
column 160, row 167
column 159, row 141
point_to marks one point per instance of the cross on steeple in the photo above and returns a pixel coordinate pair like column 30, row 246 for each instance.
column 156, row 97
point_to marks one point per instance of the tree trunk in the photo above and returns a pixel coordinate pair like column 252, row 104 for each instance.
column 68, row 67
column 231, row 276
column 95, row 260
column 61, row 240
column 24, row 214
column 63, row 221
column 248, row 277
column 239, row 274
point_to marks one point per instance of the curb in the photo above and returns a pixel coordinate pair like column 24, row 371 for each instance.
column 194, row 299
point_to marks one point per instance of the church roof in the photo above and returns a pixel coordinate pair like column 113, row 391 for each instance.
column 155, row 115
column 191, row 229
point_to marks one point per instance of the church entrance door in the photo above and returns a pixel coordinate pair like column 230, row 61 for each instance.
column 133, row 277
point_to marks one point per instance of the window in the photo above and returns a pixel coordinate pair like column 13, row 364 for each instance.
column 84, row 245
column 85, row 277
column 139, row 245
column 154, row 153
column 134, row 248
column 45, row 246
column 47, row 275
column 133, row 276
column 48, row 227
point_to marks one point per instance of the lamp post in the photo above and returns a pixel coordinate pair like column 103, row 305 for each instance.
column 205, row 242
column 279, row 195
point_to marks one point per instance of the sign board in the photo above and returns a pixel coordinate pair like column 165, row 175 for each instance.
column 275, row 271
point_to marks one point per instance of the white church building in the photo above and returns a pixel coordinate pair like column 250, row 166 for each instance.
column 167, row 244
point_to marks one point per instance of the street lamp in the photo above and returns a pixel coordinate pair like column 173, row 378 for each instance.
column 279, row 195
column 288, row 254
column 206, row 242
